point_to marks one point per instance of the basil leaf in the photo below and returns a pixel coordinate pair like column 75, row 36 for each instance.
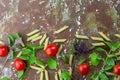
column 95, row 59
column 11, row 40
column 95, row 77
column 115, row 46
column 5, row 78
column 52, row 63
column 81, row 60
column 103, row 76
column 24, row 57
column 20, row 74
column 26, row 51
column 65, row 59
column 32, row 59
column 65, row 75
column 110, row 61
column 15, row 54
column 34, row 47
column 40, row 63
column 108, row 68
column 101, row 50
column 109, row 44
column 16, row 36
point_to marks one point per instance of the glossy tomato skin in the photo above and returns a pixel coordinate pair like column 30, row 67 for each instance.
column 83, row 68
column 3, row 51
column 51, row 50
column 19, row 64
column 116, row 69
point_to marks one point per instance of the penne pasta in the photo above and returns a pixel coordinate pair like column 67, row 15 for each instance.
column 36, row 68
column 59, row 73
column 46, row 75
column 42, row 76
column 60, row 49
column 70, row 70
column 98, row 44
column 37, row 38
column 71, row 60
column 43, row 38
column 19, row 54
column 61, row 29
column 104, row 36
column 97, row 38
column 81, row 36
column 33, row 32
column 46, row 43
column 117, row 35
column 56, row 76
column 59, row 40
column 33, row 37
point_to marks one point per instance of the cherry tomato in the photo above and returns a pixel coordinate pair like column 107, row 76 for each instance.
column 3, row 51
column 19, row 64
column 51, row 50
column 83, row 68
column 116, row 69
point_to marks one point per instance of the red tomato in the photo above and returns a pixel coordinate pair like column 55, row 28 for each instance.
column 83, row 68
column 116, row 69
column 19, row 64
column 3, row 51
column 51, row 50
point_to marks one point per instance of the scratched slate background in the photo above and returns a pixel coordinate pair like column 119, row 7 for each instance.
column 23, row 16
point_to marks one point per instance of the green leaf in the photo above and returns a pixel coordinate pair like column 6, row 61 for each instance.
column 95, row 77
column 103, row 76
column 24, row 57
column 40, row 63
column 15, row 54
column 109, row 44
column 5, row 78
column 110, row 61
column 11, row 40
column 108, row 68
column 20, row 74
column 32, row 59
column 115, row 46
column 101, row 50
column 34, row 48
column 16, row 36
column 65, row 75
column 26, row 51
column 65, row 59
column 52, row 63
column 82, row 60
column 95, row 59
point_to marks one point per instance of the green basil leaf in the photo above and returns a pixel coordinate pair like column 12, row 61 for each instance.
column 52, row 63
column 20, row 74
column 5, row 78
column 26, row 51
column 11, row 40
column 24, row 57
column 82, row 60
column 110, row 61
column 95, row 59
column 95, row 77
column 103, row 76
column 65, row 75
column 16, row 36
column 101, row 50
column 32, row 59
column 108, row 68
column 34, row 47
column 40, row 63
column 65, row 59
column 109, row 44
column 15, row 54
column 115, row 46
